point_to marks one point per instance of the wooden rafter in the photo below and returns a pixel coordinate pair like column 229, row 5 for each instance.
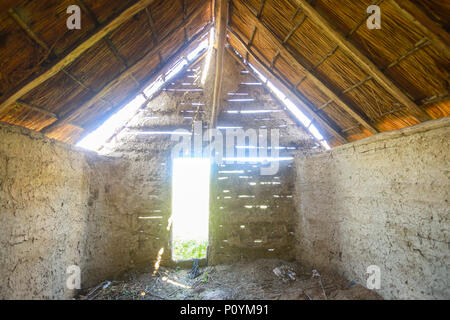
column 162, row 69
column 333, row 50
column 11, row 97
column 261, row 8
column 289, row 121
column 119, row 57
column 151, row 23
column 252, row 37
column 13, row 13
column 106, row 39
column 288, row 90
column 274, row 60
column 43, row 45
column 436, row 99
column 295, row 28
column 38, row 109
column 285, row 51
column 81, row 84
column 363, row 19
column 221, row 21
column 153, row 31
column 89, row 12
column 184, row 7
column 363, row 61
column 438, row 36
column 119, row 78
column 250, row 42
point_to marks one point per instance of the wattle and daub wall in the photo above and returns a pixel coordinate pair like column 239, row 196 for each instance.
column 49, row 193
column 382, row 201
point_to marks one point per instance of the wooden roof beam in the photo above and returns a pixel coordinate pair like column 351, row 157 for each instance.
column 88, row 11
column 261, row 8
column 432, row 30
column 114, row 82
column 162, row 69
column 274, row 60
column 282, row 47
column 11, row 97
column 38, row 109
column 41, row 43
column 288, row 90
column 106, row 39
column 363, row 19
column 221, row 21
column 363, row 61
column 119, row 57
column 153, row 31
column 295, row 28
column 184, row 7
column 13, row 13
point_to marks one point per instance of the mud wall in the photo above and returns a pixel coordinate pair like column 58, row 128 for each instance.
column 143, row 196
column 145, row 145
column 269, row 222
column 58, row 207
column 252, row 215
column 380, row 201
column 44, row 189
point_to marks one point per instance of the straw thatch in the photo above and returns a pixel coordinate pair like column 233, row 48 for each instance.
column 105, row 75
column 402, row 81
column 295, row 49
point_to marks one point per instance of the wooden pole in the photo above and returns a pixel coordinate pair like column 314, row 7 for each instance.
column 221, row 20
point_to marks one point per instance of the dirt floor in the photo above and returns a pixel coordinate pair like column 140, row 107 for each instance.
column 251, row 281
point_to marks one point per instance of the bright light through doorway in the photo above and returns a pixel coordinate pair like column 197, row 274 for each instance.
column 190, row 207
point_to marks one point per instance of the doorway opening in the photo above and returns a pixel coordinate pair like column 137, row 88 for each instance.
column 190, row 208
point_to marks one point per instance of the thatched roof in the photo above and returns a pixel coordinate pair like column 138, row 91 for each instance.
column 354, row 82
column 65, row 82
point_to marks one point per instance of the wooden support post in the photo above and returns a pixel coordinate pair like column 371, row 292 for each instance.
column 221, row 21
